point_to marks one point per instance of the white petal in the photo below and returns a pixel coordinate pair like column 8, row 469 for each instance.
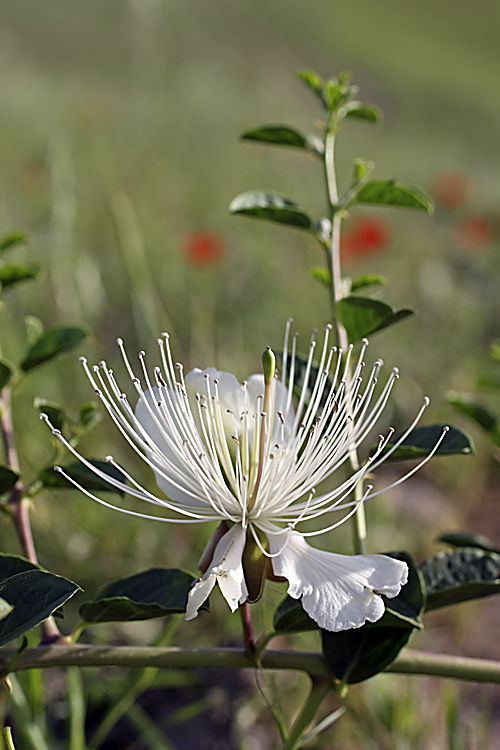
column 226, row 569
column 339, row 592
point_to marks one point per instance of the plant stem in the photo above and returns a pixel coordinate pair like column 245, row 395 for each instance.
column 409, row 660
column 334, row 267
column 319, row 689
column 246, row 622
column 20, row 505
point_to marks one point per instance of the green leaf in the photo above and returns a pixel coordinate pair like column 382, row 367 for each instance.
column 11, row 565
column 8, row 478
column 88, row 417
column 333, row 93
column 459, row 576
column 11, row 239
column 290, row 617
column 360, row 282
column 312, row 80
column 277, row 135
column 6, row 372
column 466, row 404
column 300, row 369
column 34, row 595
column 463, row 539
column 270, row 207
column 14, row 273
column 5, row 609
column 34, row 329
column 362, row 168
column 491, row 380
column 322, row 275
column 355, row 655
column 53, row 342
column 56, row 414
column 84, row 476
column 362, row 316
column 422, row 440
column 393, row 193
column 154, row 593
column 368, row 112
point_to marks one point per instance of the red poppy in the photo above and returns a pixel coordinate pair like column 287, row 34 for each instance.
column 450, row 189
column 367, row 235
column 203, row 248
column 473, row 233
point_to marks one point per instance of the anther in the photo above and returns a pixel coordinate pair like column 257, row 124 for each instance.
column 95, row 368
column 119, row 341
column 108, row 459
column 82, row 360
column 58, row 469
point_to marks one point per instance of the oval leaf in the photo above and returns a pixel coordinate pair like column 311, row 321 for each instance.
column 312, row 80
column 290, row 617
column 421, row 441
column 270, row 207
column 277, row 135
column 53, row 342
column 360, row 282
column 362, row 316
column 84, row 476
column 11, row 565
column 34, row 596
column 463, row 539
column 367, row 112
column 55, row 413
column 14, row 273
column 154, row 593
column 6, row 372
column 459, row 576
column 355, row 655
column 8, row 478
column 393, row 193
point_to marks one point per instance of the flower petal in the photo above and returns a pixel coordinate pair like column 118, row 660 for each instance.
column 226, row 568
column 339, row 592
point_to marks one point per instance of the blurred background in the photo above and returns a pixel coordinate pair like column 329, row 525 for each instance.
column 120, row 153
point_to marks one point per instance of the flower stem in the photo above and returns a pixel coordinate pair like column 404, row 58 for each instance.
column 334, row 267
column 319, row 689
column 246, row 622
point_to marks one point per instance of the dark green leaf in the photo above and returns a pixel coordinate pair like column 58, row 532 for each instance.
column 368, row 112
column 277, row 135
column 466, row 404
column 459, row 576
column 14, row 273
column 463, row 539
column 393, row 193
column 312, row 80
column 5, row 609
column 88, row 418
column 11, row 565
column 422, row 440
column 290, row 617
column 56, row 414
column 355, row 655
column 84, row 476
column 362, row 316
column 12, row 239
column 8, row 478
column 360, row 282
column 491, row 380
column 322, row 275
column 6, row 372
column 53, row 342
column 35, row 595
column 270, row 207
column 300, row 369
column 154, row 593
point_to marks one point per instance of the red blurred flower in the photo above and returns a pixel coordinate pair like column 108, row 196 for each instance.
column 473, row 233
column 450, row 189
column 366, row 236
column 203, row 248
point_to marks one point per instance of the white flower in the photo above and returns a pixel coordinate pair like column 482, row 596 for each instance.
column 243, row 455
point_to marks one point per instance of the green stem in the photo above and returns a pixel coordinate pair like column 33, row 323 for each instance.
column 409, row 661
column 319, row 689
column 7, row 738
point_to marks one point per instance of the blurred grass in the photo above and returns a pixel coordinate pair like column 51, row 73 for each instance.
column 119, row 137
